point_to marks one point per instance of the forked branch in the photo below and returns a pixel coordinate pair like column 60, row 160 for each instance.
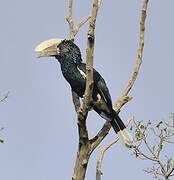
column 74, row 29
column 124, row 98
column 86, row 146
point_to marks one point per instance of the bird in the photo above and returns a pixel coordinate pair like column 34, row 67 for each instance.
column 74, row 71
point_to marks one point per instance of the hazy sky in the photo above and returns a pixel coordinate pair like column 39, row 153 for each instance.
column 39, row 119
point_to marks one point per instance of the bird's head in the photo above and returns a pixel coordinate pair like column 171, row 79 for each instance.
column 61, row 49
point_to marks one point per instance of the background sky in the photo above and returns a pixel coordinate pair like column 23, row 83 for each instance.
column 39, row 118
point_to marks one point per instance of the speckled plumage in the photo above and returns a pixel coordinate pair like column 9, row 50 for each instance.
column 69, row 56
column 72, row 68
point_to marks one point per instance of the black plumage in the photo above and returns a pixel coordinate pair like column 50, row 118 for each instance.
column 74, row 72
column 69, row 56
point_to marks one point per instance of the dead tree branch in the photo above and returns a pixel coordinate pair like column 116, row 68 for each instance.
column 102, row 152
column 74, row 29
column 89, row 59
column 138, row 61
column 84, row 149
column 124, row 98
column 100, row 159
column 86, row 146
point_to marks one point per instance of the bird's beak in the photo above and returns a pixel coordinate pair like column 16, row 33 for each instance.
column 48, row 48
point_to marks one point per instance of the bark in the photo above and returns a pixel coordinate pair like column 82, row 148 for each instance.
column 82, row 159
column 86, row 146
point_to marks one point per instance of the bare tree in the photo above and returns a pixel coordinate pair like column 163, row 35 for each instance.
column 87, row 146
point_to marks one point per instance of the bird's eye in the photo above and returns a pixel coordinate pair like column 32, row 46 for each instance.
column 58, row 50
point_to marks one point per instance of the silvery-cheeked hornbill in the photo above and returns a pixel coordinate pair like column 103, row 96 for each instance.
column 69, row 56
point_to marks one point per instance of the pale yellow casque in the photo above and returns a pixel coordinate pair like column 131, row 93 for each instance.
column 48, row 48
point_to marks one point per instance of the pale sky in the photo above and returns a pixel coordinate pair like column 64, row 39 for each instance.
column 39, row 119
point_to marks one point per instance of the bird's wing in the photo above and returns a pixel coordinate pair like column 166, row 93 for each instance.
column 99, row 84
column 104, row 91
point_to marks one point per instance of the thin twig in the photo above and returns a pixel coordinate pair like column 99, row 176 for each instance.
column 102, row 153
column 169, row 173
column 74, row 29
column 4, row 97
column 100, row 159
column 154, row 153
column 69, row 19
column 96, row 140
column 80, row 24
column 124, row 97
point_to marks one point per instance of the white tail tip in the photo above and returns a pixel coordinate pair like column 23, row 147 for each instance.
column 126, row 137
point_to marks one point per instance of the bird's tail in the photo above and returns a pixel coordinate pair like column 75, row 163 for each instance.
column 121, row 130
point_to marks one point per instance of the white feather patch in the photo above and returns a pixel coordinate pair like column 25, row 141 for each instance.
column 126, row 137
column 98, row 97
column 82, row 73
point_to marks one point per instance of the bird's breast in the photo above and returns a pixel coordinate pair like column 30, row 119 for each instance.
column 75, row 79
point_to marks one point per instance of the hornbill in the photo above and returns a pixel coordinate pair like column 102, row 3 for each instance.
column 69, row 56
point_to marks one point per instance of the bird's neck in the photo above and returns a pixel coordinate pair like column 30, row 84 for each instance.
column 70, row 58
column 68, row 66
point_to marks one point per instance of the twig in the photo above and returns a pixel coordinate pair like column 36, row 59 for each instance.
column 4, row 97
column 102, row 153
column 1, row 140
column 74, row 29
column 100, row 159
column 164, row 132
column 69, row 19
column 169, row 173
column 124, row 97
column 80, row 24
column 96, row 140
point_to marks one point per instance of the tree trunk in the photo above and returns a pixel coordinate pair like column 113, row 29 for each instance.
column 82, row 158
